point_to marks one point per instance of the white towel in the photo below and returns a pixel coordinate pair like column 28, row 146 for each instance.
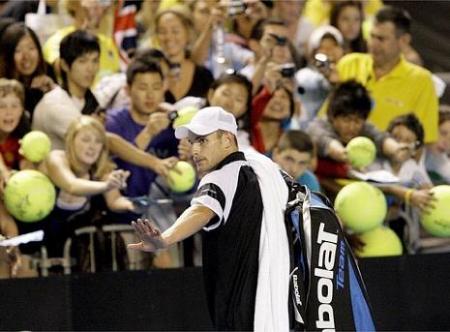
column 272, row 293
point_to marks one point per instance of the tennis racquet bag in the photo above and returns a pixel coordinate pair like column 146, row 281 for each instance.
column 327, row 291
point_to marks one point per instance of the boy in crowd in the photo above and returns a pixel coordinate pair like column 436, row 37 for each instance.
column 80, row 52
column 147, row 128
column 295, row 153
column 143, row 124
column 349, row 107
column 79, row 56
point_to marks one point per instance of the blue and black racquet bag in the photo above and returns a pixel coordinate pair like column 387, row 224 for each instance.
column 327, row 291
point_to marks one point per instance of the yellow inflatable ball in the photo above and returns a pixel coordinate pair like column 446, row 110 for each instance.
column 184, row 116
column 360, row 206
column 35, row 146
column 361, row 152
column 437, row 220
column 29, row 196
column 182, row 177
column 379, row 242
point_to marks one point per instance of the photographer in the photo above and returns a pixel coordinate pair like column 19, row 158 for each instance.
column 269, row 42
column 212, row 47
column 314, row 82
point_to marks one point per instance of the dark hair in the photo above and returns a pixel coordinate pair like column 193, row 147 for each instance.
column 73, row 46
column 297, row 140
column 77, row 44
column 291, row 99
column 444, row 113
column 142, row 67
column 10, row 37
column 244, row 120
column 358, row 44
column 258, row 29
column 411, row 122
column 397, row 16
column 350, row 98
column 152, row 54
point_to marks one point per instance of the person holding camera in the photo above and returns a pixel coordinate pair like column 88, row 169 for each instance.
column 269, row 42
column 314, row 82
column 212, row 48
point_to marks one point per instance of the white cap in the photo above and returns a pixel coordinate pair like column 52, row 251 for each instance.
column 318, row 34
column 206, row 121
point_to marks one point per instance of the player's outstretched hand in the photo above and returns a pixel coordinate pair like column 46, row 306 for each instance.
column 150, row 236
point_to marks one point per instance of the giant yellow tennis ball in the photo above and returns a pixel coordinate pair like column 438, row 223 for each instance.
column 29, row 195
column 360, row 206
column 35, row 146
column 437, row 221
column 182, row 177
column 381, row 241
column 184, row 116
column 361, row 152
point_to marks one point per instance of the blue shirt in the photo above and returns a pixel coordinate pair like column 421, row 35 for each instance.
column 310, row 180
column 163, row 145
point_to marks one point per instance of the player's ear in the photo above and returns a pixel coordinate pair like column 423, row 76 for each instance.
column 228, row 139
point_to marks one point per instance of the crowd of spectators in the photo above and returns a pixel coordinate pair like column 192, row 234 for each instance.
column 301, row 77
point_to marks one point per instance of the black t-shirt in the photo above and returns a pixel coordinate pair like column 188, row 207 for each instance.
column 231, row 242
column 201, row 82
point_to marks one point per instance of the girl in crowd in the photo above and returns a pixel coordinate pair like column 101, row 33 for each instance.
column 13, row 125
column 232, row 92
column 21, row 59
column 173, row 28
column 348, row 17
column 269, row 112
column 80, row 171
column 414, row 183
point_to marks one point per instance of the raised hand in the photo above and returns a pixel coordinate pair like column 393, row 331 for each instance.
column 157, row 122
column 423, row 199
column 163, row 166
column 150, row 236
column 117, row 179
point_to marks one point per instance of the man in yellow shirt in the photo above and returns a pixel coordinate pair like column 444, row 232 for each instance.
column 396, row 86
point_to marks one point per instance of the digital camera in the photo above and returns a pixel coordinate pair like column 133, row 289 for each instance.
column 321, row 61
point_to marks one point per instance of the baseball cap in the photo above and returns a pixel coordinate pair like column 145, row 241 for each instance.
column 318, row 34
column 208, row 120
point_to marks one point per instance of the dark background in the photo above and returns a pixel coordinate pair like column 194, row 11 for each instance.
column 407, row 293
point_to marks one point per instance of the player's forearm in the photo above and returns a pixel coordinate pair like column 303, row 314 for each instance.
column 190, row 222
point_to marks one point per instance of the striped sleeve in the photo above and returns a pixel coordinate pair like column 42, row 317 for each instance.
column 211, row 196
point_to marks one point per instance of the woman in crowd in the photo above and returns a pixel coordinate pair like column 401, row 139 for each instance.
column 173, row 28
column 270, row 113
column 348, row 17
column 21, row 59
column 80, row 171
